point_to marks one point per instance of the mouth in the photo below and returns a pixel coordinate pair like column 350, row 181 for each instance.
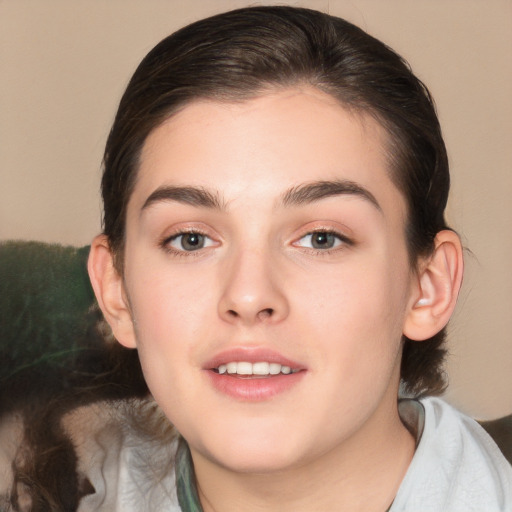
column 258, row 370
column 252, row 374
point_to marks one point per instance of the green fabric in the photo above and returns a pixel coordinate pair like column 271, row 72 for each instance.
column 45, row 296
column 185, row 480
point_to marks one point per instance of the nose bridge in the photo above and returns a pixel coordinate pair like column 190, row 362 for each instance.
column 252, row 291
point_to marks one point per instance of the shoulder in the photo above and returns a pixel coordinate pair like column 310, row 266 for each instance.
column 456, row 467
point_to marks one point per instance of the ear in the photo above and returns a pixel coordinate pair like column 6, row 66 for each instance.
column 108, row 286
column 438, row 286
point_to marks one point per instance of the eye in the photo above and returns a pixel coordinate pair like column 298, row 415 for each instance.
column 322, row 240
column 189, row 242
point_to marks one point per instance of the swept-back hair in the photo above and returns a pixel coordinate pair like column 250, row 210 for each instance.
column 243, row 53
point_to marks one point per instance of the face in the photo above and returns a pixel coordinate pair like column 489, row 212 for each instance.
column 266, row 238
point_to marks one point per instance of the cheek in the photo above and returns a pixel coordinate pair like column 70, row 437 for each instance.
column 355, row 319
column 355, row 299
column 168, row 325
column 172, row 312
column 167, row 298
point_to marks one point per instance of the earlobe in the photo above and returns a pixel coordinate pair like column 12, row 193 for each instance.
column 438, row 286
column 109, row 290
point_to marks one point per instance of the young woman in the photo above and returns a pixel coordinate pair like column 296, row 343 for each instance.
column 275, row 249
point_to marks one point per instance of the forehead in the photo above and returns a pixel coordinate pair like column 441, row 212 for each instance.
column 287, row 137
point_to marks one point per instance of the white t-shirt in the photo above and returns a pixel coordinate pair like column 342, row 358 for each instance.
column 457, row 467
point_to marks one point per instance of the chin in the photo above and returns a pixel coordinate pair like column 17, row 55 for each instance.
column 253, row 450
column 257, row 460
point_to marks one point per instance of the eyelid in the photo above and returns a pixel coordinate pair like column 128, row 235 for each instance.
column 337, row 242
column 310, row 229
column 178, row 235
column 178, row 231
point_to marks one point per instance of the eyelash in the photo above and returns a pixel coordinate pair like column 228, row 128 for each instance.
column 165, row 243
column 343, row 240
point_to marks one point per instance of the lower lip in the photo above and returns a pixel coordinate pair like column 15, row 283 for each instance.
column 254, row 389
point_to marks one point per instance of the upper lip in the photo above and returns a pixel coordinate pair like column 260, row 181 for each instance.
column 251, row 355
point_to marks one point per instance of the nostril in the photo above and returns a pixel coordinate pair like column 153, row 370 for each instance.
column 266, row 313
column 263, row 314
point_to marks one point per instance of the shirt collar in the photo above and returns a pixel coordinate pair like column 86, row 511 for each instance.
column 186, row 489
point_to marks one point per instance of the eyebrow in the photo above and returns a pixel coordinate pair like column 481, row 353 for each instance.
column 317, row 190
column 194, row 196
column 296, row 196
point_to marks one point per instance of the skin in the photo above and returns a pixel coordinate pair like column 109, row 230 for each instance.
column 339, row 312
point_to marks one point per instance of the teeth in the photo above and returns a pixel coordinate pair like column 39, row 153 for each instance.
column 231, row 367
column 260, row 368
column 244, row 368
column 274, row 369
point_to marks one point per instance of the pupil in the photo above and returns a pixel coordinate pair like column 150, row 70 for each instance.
column 192, row 241
column 322, row 240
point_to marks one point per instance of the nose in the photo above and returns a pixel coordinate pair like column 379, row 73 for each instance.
column 252, row 290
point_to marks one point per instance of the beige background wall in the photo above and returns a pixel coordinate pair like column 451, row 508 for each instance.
column 63, row 67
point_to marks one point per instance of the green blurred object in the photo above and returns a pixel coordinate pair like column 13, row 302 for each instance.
column 54, row 344
column 45, row 298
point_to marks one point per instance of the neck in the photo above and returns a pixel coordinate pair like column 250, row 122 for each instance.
column 363, row 473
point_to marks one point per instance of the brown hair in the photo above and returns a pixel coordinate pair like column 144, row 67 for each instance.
column 242, row 53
